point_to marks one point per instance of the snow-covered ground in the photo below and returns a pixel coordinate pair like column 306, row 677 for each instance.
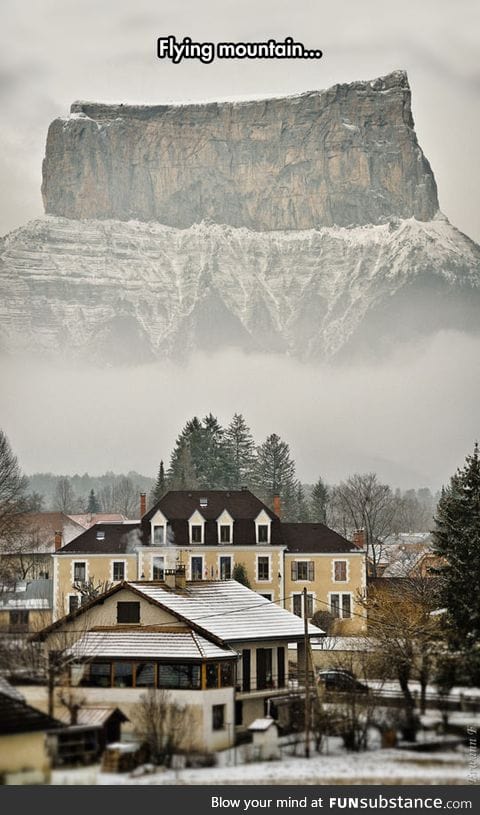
column 337, row 767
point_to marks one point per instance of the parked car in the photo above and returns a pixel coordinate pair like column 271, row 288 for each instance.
column 341, row 681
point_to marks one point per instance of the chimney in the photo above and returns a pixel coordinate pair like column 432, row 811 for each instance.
column 169, row 576
column 359, row 538
column 180, row 577
column 143, row 504
column 277, row 507
column 58, row 541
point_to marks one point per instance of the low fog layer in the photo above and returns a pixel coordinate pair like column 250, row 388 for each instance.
column 411, row 419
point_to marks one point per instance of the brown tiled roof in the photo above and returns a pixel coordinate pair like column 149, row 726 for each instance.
column 315, row 538
column 51, row 521
column 243, row 506
column 117, row 539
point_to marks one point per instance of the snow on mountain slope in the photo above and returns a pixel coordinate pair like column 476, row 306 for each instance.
column 120, row 292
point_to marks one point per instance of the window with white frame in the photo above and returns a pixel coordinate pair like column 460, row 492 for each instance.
column 341, row 605
column 303, row 570
column 297, row 605
column 225, row 533
column 73, row 602
column 225, row 567
column 158, row 568
column 79, row 572
column 262, row 533
column 196, row 568
column 262, row 527
column 340, row 571
column 225, row 527
column 158, row 535
column 196, row 532
column 263, row 567
column 118, row 570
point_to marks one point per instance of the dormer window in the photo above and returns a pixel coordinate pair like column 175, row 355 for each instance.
column 196, row 527
column 100, row 535
column 225, row 534
column 158, row 535
column 225, row 528
column 158, row 526
column 196, row 531
column 262, row 528
column 203, row 502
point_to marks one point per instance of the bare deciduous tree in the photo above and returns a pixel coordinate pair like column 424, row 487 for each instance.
column 163, row 724
column 64, row 499
column 362, row 502
column 402, row 628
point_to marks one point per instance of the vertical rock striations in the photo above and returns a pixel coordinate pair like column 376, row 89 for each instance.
column 346, row 156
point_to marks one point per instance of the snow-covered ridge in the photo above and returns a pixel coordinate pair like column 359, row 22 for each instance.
column 80, row 287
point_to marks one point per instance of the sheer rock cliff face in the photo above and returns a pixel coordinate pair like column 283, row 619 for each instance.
column 306, row 226
column 347, row 155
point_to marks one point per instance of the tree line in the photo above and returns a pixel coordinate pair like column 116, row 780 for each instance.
column 362, row 501
column 209, row 456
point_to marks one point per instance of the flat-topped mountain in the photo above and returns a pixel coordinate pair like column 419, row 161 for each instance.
column 305, row 225
column 343, row 156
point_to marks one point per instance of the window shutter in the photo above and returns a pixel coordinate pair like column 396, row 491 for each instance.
column 294, row 570
column 311, row 570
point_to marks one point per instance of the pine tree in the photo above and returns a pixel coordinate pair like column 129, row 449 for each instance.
column 318, row 502
column 200, row 457
column 457, row 541
column 93, row 505
column 240, row 575
column 301, row 508
column 240, row 448
column 12, row 487
column 160, row 486
column 215, row 467
column 182, row 476
column 275, row 474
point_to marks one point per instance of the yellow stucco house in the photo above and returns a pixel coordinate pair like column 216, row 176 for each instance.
column 209, row 533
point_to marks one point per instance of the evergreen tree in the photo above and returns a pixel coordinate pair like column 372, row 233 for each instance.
column 181, row 475
column 93, row 505
column 457, row 540
column 318, row 502
column 301, row 509
column 215, row 468
column 13, row 485
column 240, row 448
column 240, row 575
column 275, row 474
column 207, row 462
column 160, row 486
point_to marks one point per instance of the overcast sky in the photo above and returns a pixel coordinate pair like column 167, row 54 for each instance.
column 56, row 51
column 419, row 417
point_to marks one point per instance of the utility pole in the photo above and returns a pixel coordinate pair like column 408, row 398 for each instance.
column 307, row 687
